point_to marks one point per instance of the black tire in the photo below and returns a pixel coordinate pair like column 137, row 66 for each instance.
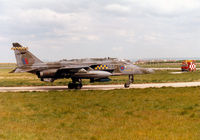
column 126, row 85
column 71, row 86
column 78, row 86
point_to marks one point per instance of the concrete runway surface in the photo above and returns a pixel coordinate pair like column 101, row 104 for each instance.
column 99, row 87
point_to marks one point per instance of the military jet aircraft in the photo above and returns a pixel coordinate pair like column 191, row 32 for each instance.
column 95, row 69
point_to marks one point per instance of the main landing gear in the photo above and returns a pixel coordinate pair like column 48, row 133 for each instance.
column 76, row 84
column 131, row 80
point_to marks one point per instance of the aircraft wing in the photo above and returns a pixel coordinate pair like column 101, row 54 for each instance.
column 74, row 67
column 19, row 70
column 85, row 66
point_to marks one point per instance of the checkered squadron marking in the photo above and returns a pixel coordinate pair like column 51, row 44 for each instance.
column 20, row 48
column 101, row 67
column 192, row 66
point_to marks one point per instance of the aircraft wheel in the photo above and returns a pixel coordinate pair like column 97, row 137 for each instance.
column 70, row 86
column 78, row 86
column 126, row 85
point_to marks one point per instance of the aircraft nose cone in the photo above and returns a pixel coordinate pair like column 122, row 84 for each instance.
column 147, row 70
column 150, row 70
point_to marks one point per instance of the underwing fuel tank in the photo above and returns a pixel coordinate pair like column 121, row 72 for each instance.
column 93, row 74
column 92, row 80
column 47, row 73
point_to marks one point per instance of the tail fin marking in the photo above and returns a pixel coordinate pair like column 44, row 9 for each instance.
column 25, row 61
column 23, row 56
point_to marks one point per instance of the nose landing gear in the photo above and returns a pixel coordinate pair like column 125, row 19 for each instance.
column 131, row 80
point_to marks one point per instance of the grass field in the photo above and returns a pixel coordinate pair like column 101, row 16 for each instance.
column 26, row 79
column 155, row 114
column 7, row 65
column 128, row 114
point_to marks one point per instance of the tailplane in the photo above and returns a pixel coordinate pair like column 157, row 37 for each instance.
column 23, row 56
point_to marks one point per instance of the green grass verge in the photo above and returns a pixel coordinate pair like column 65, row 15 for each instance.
column 165, row 113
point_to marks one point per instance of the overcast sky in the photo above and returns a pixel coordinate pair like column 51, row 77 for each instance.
column 58, row 29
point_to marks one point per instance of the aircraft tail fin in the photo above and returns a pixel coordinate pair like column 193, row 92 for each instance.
column 23, row 56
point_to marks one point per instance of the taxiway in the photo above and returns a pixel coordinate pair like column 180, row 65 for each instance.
column 99, row 87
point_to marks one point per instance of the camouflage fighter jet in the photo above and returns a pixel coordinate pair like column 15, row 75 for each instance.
column 95, row 69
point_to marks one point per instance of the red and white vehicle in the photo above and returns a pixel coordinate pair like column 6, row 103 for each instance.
column 188, row 65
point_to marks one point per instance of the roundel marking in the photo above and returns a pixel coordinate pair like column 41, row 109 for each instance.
column 122, row 68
